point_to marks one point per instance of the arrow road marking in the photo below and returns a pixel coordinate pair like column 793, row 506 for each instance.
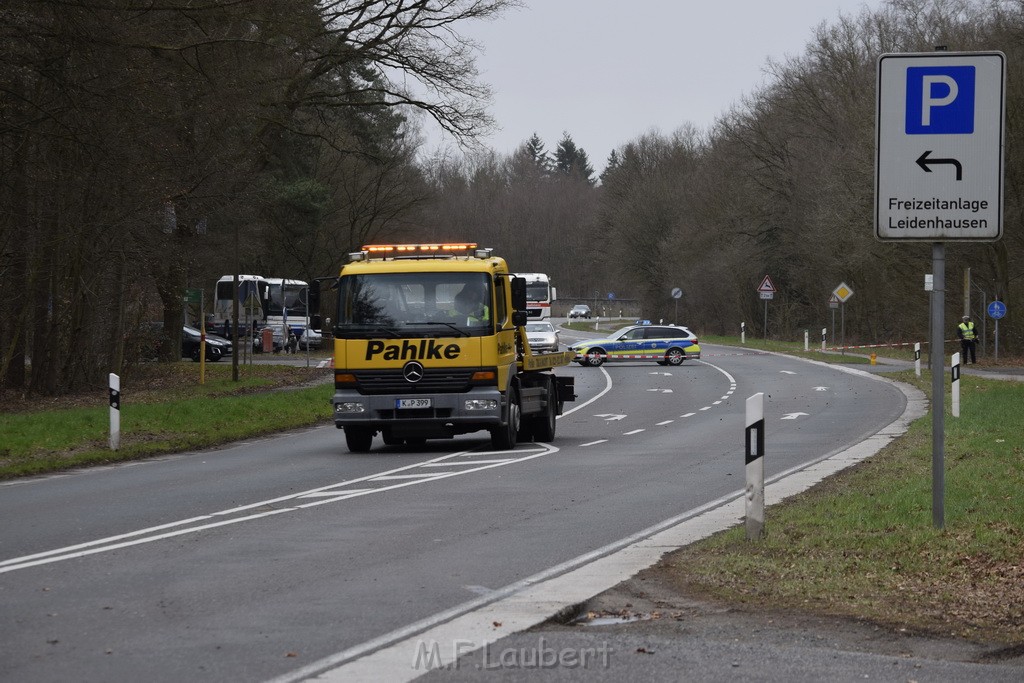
column 821, row 388
column 609, row 417
column 792, row 416
column 923, row 161
column 787, row 372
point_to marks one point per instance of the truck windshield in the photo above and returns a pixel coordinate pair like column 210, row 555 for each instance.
column 414, row 305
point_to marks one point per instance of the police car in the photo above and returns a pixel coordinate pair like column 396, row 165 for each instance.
column 664, row 344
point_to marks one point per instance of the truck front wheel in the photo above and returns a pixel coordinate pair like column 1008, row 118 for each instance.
column 359, row 439
column 503, row 437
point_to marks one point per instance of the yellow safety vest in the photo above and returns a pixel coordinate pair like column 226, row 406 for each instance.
column 967, row 329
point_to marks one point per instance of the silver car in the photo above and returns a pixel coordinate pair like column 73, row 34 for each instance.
column 542, row 336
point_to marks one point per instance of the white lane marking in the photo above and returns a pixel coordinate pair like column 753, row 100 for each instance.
column 787, row 372
column 635, row 431
column 323, row 494
column 688, row 415
column 611, row 417
column 390, row 477
column 467, row 462
column 718, row 402
column 666, row 422
column 607, row 388
column 593, row 443
column 110, row 539
column 330, row 494
column 706, row 408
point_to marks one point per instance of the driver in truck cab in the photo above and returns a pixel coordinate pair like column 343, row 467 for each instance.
column 469, row 303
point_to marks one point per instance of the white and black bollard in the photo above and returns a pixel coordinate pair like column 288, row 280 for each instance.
column 807, row 340
column 917, row 359
column 823, row 331
column 755, row 466
column 955, row 370
column 115, row 412
column 743, row 333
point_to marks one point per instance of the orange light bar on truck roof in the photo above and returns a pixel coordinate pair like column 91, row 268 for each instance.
column 418, row 248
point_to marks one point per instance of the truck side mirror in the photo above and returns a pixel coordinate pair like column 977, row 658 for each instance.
column 313, row 298
column 519, row 318
column 518, row 288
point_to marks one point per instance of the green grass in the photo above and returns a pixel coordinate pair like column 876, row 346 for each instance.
column 863, row 544
column 164, row 411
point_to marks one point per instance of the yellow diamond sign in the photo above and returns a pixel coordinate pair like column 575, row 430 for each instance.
column 842, row 292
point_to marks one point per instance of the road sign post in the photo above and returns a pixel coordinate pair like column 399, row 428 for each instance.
column 767, row 292
column 939, row 177
column 996, row 310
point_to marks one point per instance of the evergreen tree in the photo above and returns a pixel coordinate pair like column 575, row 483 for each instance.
column 535, row 149
column 572, row 161
column 610, row 166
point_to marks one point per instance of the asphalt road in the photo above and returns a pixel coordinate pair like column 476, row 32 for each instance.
column 287, row 557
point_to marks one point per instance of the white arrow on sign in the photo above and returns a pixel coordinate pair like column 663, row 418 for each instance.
column 610, row 417
column 792, row 416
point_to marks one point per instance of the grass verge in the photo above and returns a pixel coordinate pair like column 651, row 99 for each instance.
column 862, row 543
column 163, row 410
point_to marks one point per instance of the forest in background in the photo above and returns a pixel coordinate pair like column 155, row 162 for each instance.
column 146, row 150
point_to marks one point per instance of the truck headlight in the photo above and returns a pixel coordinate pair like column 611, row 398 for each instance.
column 481, row 404
column 350, row 407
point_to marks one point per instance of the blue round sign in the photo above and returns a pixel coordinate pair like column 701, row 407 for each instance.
column 996, row 309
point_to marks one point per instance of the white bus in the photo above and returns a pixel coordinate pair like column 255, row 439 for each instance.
column 252, row 293
column 267, row 301
column 539, row 295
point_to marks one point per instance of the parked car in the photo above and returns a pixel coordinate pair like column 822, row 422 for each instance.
column 216, row 346
column 277, row 337
column 311, row 338
column 579, row 311
column 542, row 336
column 665, row 344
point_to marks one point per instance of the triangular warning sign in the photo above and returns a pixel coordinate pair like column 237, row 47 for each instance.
column 766, row 285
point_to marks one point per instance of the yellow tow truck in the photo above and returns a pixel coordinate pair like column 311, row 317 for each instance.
column 430, row 342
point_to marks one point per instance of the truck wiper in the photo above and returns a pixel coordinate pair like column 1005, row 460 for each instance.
column 365, row 332
column 461, row 332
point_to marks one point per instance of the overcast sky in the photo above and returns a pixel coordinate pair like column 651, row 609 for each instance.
column 608, row 71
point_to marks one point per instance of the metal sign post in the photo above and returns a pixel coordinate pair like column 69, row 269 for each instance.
column 841, row 294
column 996, row 310
column 939, row 177
column 767, row 292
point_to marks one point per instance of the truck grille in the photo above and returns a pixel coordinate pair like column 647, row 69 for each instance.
column 435, row 380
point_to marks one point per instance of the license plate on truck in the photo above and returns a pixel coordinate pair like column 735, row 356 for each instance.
column 412, row 403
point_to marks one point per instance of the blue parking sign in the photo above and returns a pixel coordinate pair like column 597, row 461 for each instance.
column 940, row 100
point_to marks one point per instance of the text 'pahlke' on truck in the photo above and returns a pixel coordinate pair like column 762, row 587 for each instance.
column 430, row 342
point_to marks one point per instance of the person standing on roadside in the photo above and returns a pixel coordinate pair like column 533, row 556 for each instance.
column 968, row 339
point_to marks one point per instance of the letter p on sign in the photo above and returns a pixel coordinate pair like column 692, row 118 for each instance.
column 940, row 100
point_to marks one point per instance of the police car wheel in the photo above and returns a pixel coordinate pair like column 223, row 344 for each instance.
column 595, row 357
column 675, row 357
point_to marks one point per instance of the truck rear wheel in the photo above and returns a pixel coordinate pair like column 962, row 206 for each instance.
column 359, row 439
column 542, row 426
column 503, row 437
